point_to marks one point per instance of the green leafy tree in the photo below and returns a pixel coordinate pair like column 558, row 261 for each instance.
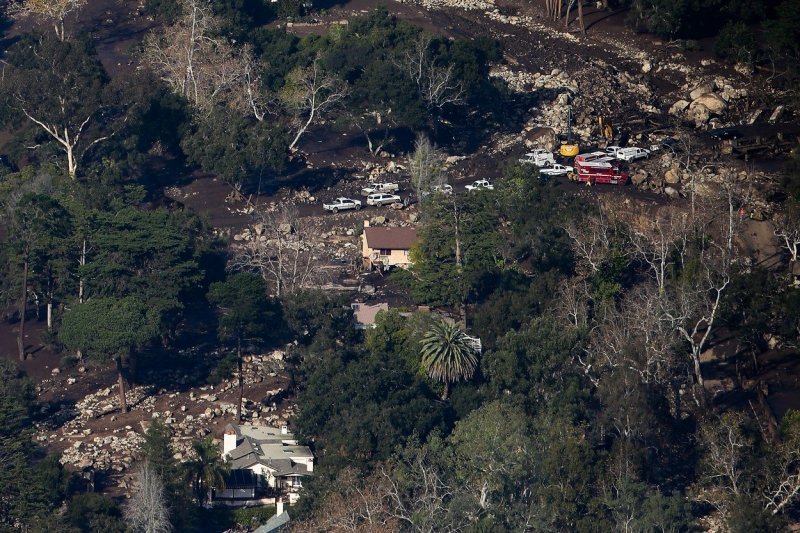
column 32, row 484
column 206, row 470
column 109, row 329
column 149, row 255
column 92, row 512
column 157, row 451
column 493, row 449
column 59, row 87
column 245, row 313
column 784, row 32
column 536, row 365
column 448, row 355
column 38, row 223
column 735, row 42
column 235, row 147
column 359, row 407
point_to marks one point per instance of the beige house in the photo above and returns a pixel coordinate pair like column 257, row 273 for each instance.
column 385, row 248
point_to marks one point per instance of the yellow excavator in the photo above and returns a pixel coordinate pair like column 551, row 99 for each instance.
column 569, row 148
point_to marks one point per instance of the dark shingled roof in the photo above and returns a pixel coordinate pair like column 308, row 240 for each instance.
column 390, row 238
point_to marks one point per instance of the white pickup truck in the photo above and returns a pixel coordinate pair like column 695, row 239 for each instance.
column 478, row 185
column 556, row 170
column 539, row 157
column 372, row 188
column 342, row 204
column 631, row 154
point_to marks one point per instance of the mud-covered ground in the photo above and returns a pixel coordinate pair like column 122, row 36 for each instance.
column 633, row 80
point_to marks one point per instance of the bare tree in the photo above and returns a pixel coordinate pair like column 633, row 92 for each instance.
column 256, row 99
column 282, row 251
column 592, row 239
column 358, row 505
column 787, row 228
column 418, row 495
column 784, row 487
column 146, row 512
column 54, row 11
column 308, row 93
column 693, row 306
column 437, row 84
column 659, row 239
column 365, row 123
column 426, row 165
column 197, row 64
column 727, row 449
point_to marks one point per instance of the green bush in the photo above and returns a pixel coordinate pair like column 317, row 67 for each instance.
column 736, row 42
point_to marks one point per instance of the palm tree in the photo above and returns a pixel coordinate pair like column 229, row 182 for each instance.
column 207, row 470
column 448, row 355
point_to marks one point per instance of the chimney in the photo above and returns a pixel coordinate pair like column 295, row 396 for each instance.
column 284, row 429
column 366, row 223
column 278, row 506
column 229, row 440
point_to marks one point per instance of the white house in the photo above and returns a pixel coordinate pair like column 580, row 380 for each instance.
column 264, row 460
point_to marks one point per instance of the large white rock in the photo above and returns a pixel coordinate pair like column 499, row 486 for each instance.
column 672, row 177
column 678, row 107
column 699, row 113
column 700, row 90
column 714, row 103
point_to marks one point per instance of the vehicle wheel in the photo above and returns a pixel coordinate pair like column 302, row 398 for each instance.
column 335, row 210
column 358, row 207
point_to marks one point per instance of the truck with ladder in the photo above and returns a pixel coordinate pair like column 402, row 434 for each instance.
column 598, row 167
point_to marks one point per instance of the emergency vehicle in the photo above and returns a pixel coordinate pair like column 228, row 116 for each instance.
column 598, row 167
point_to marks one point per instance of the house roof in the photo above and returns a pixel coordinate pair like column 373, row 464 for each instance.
column 240, row 479
column 390, row 238
column 365, row 313
column 269, row 447
column 276, row 523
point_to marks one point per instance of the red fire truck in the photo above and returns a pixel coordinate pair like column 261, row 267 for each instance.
column 598, row 167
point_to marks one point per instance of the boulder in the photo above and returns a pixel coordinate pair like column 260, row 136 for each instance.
column 700, row 90
column 678, row 107
column 672, row 177
column 647, row 66
column 639, row 177
column 714, row 103
column 672, row 193
column 699, row 114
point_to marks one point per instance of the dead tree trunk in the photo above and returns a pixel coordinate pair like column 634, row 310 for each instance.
column 23, row 308
column 566, row 17
column 241, row 380
column 123, row 403
column 580, row 17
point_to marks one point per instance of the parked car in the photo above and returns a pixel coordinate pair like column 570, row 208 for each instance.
column 478, row 185
column 612, row 150
column 556, row 170
column 539, row 157
column 723, row 134
column 380, row 198
column 372, row 188
column 632, row 154
column 444, row 189
column 342, row 204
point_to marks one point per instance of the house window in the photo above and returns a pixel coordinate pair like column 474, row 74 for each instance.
column 385, row 251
